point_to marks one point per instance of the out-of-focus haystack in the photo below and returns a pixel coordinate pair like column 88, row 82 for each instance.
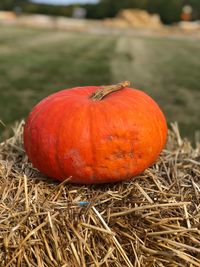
column 135, row 18
column 7, row 16
column 46, row 21
column 189, row 25
column 152, row 220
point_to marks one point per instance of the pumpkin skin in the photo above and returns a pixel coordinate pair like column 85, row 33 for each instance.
column 69, row 135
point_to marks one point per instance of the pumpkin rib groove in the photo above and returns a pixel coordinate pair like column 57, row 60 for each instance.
column 129, row 169
column 73, row 109
column 91, row 117
column 56, row 145
column 89, row 159
column 48, row 100
column 123, row 153
column 54, row 152
column 45, row 164
column 60, row 161
column 156, row 110
column 95, row 126
column 102, row 114
column 42, row 109
column 40, row 112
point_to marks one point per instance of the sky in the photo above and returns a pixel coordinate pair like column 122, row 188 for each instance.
column 64, row 2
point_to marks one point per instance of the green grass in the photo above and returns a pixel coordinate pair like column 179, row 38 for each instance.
column 38, row 63
column 169, row 71
column 35, row 63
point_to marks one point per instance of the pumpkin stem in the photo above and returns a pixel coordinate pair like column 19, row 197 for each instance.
column 106, row 90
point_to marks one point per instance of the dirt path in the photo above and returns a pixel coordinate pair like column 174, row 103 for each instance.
column 165, row 70
column 141, row 60
column 132, row 61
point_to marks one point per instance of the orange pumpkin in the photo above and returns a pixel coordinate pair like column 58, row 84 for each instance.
column 95, row 134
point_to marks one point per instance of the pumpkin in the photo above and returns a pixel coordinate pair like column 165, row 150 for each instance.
column 95, row 134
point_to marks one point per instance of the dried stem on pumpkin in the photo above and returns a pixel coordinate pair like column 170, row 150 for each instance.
column 106, row 90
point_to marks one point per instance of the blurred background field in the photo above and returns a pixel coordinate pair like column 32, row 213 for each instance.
column 45, row 48
column 37, row 62
column 40, row 55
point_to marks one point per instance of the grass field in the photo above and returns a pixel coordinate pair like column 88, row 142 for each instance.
column 35, row 63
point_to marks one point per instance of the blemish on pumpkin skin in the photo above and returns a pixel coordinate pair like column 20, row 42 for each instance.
column 131, row 154
column 121, row 155
column 139, row 156
column 74, row 155
column 110, row 137
column 116, row 137
column 51, row 140
column 89, row 171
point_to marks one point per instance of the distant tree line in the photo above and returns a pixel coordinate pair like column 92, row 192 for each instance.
column 169, row 10
column 27, row 6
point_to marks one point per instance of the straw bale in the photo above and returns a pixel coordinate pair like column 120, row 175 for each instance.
column 7, row 15
column 135, row 18
column 189, row 25
column 151, row 220
column 40, row 21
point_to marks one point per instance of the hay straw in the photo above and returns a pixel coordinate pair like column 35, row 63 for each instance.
column 151, row 220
